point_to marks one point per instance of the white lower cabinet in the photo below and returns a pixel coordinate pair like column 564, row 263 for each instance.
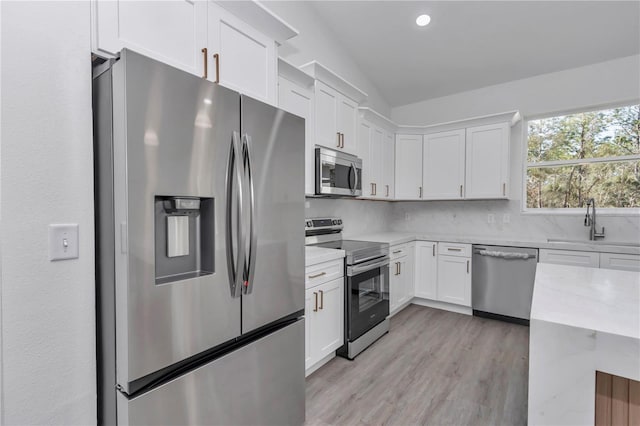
column 324, row 314
column 426, row 270
column 591, row 259
column 401, row 277
column 622, row 262
column 569, row 257
column 454, row 280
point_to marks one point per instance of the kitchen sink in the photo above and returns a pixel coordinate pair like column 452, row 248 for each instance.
column 596, row 242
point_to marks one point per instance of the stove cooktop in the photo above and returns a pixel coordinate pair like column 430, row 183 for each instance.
column 358, row 251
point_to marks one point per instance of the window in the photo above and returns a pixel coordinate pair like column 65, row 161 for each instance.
column 573, row 158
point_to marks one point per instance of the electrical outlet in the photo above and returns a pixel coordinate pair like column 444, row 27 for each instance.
column 491, row 218
column 506, row 218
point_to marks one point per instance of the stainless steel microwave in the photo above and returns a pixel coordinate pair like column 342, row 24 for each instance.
column 338, row 174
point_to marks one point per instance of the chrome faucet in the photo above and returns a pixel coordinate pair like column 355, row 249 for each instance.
column 590, row 220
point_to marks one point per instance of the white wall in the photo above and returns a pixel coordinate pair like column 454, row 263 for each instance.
column 317, row 42
column 48, row 313
column 358, row 216
column 606, row 83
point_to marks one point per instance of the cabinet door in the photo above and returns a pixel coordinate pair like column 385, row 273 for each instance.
column 326, row 127
column 570, row 257
column 299, row 101
column 310, row 320
column 395, row 285
column 246, row 58
column 388, row 167
column 487, row 161
column 454, row 280
column 365, row 130
column 426, row 270
column 377, row 137
column 173, row 32
column 443, row 165
column 347, row 119
column 408, row 167
column 407, row 267
column 329, row 333
column 622, row 262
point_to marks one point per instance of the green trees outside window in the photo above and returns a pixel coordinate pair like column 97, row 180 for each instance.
column 575, row 157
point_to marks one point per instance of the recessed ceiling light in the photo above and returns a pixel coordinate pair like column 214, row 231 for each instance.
column 423, row 20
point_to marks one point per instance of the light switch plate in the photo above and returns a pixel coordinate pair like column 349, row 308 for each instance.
column 63, row 241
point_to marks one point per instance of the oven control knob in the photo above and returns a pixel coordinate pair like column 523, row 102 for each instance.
column 339, row 221
column 335, row 222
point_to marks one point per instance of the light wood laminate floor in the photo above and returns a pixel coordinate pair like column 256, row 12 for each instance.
column 433, row 367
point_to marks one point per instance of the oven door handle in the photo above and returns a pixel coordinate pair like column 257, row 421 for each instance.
column 358, row 269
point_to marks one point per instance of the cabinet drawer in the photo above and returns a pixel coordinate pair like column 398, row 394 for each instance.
column 569, row 257
column 454, row 249
column 323, row 272
column 399, row 250
column 622, row 262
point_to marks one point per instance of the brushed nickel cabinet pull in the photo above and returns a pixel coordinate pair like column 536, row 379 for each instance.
column 460, row 190
column 375, row 189
column 315, row 309
column 420, row 191
column 399, row 268
column 371, row 188
column 317, row 275
column 434, row 250
column 467, row 266
column 216, row 56
column 342, row 138
column 387, row 190
column 338, row 133
column 321, row 299
column 454, row 249
column 504, row 189
column 206, row 64
column 397, row 251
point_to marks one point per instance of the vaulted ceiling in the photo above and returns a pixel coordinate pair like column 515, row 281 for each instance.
column 473, row 44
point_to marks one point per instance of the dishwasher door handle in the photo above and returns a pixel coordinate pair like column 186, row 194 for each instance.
column 505, row 255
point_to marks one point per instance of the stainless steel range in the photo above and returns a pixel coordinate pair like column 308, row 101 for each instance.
column 366, row 283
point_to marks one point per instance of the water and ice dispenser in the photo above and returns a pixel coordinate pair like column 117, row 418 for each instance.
column 184, row 238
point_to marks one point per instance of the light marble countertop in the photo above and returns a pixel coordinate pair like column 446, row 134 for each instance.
column 393, row 238
column 315, row 255
column 583, row 320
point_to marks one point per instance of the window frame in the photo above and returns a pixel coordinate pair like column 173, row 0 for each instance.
column 573, row 211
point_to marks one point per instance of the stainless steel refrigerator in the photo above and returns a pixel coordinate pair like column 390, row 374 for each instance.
column 200, row 251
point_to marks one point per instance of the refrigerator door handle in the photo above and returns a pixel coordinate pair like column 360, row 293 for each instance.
column 235, row 265
column 253, row 236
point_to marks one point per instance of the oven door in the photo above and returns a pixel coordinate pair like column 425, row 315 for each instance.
column 367, row 296
column 338, row 174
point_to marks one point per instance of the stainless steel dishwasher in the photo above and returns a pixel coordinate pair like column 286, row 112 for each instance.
column 502, row 282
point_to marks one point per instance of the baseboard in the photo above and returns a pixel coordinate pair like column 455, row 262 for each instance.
column 401, row 307
column 466, row 310
column 319, row 364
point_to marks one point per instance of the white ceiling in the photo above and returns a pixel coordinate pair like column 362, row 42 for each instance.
column 473, row 44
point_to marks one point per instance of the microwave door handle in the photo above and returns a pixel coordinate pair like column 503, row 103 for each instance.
column 253, row 237
column 355, row 178
column 234, row 173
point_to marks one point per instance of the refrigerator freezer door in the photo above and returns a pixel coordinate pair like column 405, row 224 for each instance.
column 172, row 138
column 275, row 257
column 259, row 384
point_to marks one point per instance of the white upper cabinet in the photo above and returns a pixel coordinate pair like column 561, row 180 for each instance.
column 408, row 182
column 326, row 124
column 388, row 166
column 241, row 57
column 295, row 94
column 173, row 32
column 376, row 148
column 443, row 166
column 336, row 105
column 487, row 163
column 234, row 45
